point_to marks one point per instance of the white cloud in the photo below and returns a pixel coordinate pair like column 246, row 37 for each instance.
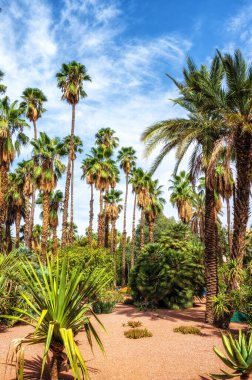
column 129, row 90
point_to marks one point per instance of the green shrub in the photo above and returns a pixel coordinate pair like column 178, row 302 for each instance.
column 106, row 301
column 134, row 324
column 137, row 333
column 169, row 273
column 187, row 330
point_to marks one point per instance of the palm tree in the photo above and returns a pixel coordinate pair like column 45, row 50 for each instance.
column 106, row 139
column 56, row 203
column 15, row 199
column 136, row 180
column 26, row 171
column 234, row 105
column 33, row 103
column 182, row 195
column 155, row 207
column 47, row 152
column 77, row 149
column 202, row 130
column 36, row 237
column 126, row 157
column 89, row 166
column 70, row 81
column 113, row 208
column 11, row 139
column 143, row 199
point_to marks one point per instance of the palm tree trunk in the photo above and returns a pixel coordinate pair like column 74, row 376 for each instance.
column 91, row 216
column 56, row 361
column 27, row 220
column 72, row 204
column 132, row 261
column 55, row 241
column 151, row 232
column 101, row 222
column 3, row 208
column 45, row 226
column 8, row 237
column 105, row 233
column 68, row 180
column 142, row 222
column 33, row 204
column 17, row 222
column 113, row 245
column 229, row 226
column 211, row 278
column 124, row 237
column 243, row 150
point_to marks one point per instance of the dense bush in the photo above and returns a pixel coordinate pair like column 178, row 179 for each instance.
column 88, row 259
column 106, row 301
column 171, row 272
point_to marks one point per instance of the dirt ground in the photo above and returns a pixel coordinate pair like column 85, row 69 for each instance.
column 164, row 356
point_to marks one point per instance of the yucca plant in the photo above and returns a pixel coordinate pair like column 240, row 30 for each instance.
column 58, row 300
column 239, row 356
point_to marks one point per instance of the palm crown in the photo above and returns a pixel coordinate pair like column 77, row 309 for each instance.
column 70, row 81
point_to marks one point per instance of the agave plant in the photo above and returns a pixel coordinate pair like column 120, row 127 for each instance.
column 58, row 300
column 239, row 352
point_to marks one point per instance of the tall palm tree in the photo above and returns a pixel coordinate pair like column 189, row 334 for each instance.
column 89, row 172
column 15, row 198
column 56, row 203
column 106, row 139
column 234, row 105
column 202, row 130
column 182, row 195
column 26, row 171
column 33, row 103
column 139, row 181
column 77, row 149
column 70, row 80
column 47, row 152
column 155, row 207
column 113, row 208
column 127, row 159
column 11, row 139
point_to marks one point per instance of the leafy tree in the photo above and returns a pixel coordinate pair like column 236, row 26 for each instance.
column 70, row 80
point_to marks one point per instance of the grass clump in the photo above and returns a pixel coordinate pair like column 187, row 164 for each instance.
column 134, row 324
column 187, row 330
column 137, row 333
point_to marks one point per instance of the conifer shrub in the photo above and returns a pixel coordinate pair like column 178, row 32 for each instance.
column 169, row 273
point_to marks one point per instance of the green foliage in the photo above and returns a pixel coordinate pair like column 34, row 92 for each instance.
column 134, row 324
column 137, row 333
column 171, row 272
column 187, row 330
column 106, row 301
column 88, row 259
column 58, row 311
column 239, row 356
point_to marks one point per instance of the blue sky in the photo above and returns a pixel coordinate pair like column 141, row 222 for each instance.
column 127, row 47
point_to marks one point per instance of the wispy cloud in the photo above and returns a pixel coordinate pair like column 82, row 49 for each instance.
column 128, row 92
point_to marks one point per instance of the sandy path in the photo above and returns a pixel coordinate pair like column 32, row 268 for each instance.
column 165, row 356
